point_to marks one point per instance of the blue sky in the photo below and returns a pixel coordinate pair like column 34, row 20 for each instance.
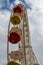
column 35, row 17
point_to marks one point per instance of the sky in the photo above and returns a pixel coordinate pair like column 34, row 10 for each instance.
column 35, row 17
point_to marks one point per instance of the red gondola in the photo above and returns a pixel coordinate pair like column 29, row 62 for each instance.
column 14, row 37
column 17, row 10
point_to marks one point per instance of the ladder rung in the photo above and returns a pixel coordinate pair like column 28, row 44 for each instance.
column 28, row 46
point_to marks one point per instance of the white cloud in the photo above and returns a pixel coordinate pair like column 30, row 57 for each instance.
column 4, row 19
column 17, row 2
column 36, row 4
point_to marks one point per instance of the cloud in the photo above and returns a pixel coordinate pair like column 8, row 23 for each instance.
column 4, row 20
column 36, row 4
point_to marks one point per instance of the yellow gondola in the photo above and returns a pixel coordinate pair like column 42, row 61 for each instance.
column 13, row 63
column 15, row 19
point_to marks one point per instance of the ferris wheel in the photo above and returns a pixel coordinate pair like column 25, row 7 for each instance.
column 18, row 34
